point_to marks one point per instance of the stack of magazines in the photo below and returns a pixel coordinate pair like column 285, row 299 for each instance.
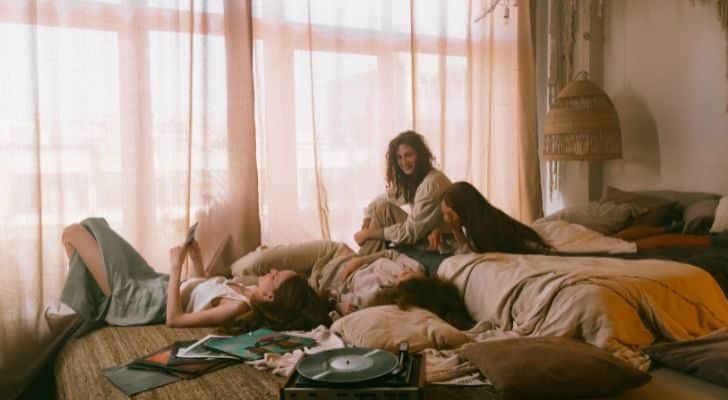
column 189, row 359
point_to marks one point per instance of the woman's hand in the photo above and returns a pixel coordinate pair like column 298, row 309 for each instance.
column 361, row 236
column 434, row 239
column 367, row 234
column 195, row 253
column 198, row 271
column 350, row 267
column 452, row 219
column 177, row 255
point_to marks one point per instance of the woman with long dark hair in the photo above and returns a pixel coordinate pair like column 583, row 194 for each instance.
column 410, row 179
column 480, row 227
column 110, row 282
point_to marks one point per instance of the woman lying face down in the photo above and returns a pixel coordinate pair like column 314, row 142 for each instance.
column 481, row 227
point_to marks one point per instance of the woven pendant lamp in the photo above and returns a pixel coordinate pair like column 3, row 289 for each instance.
column 582, row 124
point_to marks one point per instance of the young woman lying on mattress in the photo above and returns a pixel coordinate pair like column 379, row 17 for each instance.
column 109, row 281
column 353, row 282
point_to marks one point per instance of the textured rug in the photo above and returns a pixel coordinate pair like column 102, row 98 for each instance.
column 79, row 363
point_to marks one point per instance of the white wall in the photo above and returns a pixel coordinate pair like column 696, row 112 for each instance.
column 665, row 70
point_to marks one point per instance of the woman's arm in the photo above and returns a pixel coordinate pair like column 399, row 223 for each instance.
column 368, row 234
column 198, row 270
column 177, row 318
column 425, row 215
column 357, row 262
column 459, row 236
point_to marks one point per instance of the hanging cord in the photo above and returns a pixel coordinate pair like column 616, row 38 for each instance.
column 492, row 6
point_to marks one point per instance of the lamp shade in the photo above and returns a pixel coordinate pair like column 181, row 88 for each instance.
column 582, row 124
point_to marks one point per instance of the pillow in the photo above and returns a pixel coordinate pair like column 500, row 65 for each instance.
column 720, row 223
column 299, row 257
column 385, row 327
column 706, row 358
column 605, row 218
column 658, row 210
column 698, row 217
column 552, row 368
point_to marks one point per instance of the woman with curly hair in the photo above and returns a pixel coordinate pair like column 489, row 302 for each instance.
column 410, row 179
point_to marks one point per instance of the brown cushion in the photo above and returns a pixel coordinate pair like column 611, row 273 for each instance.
column 658, row 210
column 705, row 358
column 552, row 368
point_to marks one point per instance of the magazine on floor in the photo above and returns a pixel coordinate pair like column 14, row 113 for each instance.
column 253, row 345
column 199, row 350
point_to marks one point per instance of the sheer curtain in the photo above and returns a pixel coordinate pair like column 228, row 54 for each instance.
column 335, row 80
column 140, row 112
column 265, row 118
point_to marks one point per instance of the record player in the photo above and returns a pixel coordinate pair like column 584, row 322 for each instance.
column 356, row 373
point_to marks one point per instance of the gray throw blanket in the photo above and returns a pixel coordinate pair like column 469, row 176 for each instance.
column 138, row 293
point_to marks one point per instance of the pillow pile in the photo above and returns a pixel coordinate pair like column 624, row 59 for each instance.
column 385, row 327
column 658, row 212
column 605, row 218
column 552, row 368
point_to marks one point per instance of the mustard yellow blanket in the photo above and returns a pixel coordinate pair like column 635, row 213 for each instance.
column 610, row 303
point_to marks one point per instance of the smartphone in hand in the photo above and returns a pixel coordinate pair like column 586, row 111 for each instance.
column 190, row 235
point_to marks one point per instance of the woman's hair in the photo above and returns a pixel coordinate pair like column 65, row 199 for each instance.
column 487, row 228
column 295, row 306
column 435, row 295
column 406, row 185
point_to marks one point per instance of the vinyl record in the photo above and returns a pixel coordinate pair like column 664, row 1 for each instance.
column 347, row 365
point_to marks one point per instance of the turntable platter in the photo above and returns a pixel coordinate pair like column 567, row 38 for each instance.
column 347, row 365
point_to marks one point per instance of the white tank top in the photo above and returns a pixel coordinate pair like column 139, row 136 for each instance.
column 206, row 292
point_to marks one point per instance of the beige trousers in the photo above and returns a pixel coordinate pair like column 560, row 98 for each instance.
column 385, row 213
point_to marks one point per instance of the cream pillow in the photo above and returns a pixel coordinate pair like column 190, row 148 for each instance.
column 605, row 218
column 720, row 223
column 385, row 327
column 299, row 257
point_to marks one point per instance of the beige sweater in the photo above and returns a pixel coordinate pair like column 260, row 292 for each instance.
column 425, row 215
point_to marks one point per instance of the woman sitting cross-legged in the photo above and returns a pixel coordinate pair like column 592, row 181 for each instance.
column 411, row 179
column 110, row 282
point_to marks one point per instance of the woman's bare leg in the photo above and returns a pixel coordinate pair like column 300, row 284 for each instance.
column 77, row 239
